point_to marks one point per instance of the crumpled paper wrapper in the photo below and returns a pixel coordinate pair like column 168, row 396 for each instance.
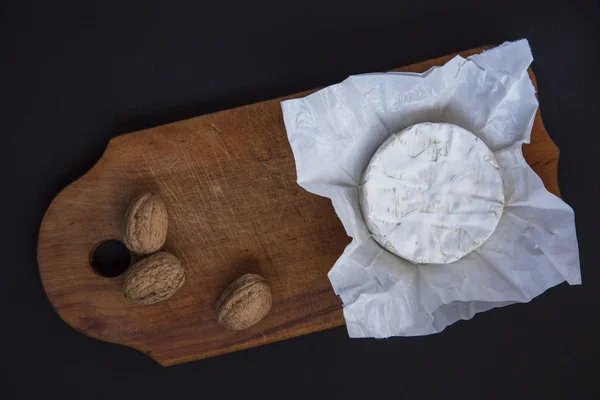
column 334, row 133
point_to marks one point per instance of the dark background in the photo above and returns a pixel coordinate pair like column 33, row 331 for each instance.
column 73, row 76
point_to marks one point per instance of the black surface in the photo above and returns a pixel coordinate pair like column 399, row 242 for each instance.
column 73, row 76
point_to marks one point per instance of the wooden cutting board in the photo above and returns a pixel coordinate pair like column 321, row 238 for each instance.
column 228, row 180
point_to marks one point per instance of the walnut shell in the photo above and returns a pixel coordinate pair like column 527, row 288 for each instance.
column 154, row 278
column 146, row 223
column 245, row 302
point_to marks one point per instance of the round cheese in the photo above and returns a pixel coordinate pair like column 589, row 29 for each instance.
column 432, row 193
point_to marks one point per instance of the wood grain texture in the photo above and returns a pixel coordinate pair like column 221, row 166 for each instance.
column 228, row 180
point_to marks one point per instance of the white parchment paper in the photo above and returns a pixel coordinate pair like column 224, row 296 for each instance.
column 334, row 133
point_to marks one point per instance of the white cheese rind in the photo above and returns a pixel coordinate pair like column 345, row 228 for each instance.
column 432, row 193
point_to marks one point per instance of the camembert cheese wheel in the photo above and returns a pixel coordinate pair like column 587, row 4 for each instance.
column 432, row 193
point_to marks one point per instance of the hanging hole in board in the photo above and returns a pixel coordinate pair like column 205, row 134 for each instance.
column 110, row 258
